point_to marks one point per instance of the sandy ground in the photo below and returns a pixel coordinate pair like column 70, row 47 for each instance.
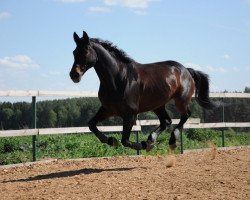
column 215, row 174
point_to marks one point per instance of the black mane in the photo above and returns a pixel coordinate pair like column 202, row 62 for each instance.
column 113, row 49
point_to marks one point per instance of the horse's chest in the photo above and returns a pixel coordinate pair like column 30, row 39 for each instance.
column 117, row 102
column 109, row 100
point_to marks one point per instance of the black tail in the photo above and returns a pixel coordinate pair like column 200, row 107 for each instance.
column 202, row 89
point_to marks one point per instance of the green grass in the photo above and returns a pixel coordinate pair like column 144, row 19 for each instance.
column 19, row 149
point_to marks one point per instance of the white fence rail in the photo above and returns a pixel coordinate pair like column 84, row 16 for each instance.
column 52, row 131
column 47, row 93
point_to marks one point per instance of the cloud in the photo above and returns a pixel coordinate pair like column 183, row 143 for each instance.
column 18, row 62
column 226, row 56
column 97, row 9
column 206, row 68
column 140, row 12
column 216, row 69
column 51, row 74
column 128, row 3
column 137, row 6
column 111, row 2
column 4, row 15
column 247, row 68
column 70, row 1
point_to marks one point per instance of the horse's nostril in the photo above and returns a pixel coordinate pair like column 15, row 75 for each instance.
column 74, row 75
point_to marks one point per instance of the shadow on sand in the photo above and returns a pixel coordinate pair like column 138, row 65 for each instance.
column 70, row 173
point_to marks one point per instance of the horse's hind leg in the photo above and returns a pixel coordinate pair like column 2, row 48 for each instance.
column 185, row 114
column 165, row 121
column 100, row 116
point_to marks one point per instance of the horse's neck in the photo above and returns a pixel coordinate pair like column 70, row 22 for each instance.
column 107, row 68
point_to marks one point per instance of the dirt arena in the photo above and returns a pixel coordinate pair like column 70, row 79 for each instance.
column 214, row 174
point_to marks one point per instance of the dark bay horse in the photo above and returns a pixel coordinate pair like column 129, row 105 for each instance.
column 128, row 88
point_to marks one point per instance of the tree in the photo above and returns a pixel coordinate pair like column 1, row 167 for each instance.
column 62, row 115
column 6, row 116
column 247, row 90
column 52, row 118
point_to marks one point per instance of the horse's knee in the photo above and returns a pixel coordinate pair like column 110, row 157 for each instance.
column 92, row 125
column 169, row 122
column 185, row 116
column 164, row 124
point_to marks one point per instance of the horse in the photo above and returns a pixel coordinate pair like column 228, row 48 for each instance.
column 128, row 88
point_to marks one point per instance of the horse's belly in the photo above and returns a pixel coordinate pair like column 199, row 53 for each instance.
column 152, row 100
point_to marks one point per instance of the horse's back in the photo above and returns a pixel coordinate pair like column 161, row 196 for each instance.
column 163, row 81
column 162, row 72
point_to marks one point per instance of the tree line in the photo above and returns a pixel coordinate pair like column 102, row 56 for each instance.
column 73, row 112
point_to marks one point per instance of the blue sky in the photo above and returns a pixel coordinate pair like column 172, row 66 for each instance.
column 36, row 38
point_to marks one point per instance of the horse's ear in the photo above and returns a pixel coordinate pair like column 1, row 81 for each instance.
column 76, row 38
column 85, row 38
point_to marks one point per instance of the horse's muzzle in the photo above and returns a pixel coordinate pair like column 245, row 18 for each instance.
column 75, row 76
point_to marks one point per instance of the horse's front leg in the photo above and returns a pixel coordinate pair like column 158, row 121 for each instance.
column 128, row 122
column 100, row 116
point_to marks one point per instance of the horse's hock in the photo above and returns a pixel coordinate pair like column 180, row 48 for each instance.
column 200, row 175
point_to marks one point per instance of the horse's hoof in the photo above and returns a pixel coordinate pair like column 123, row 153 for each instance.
column 150, row 145
column 113, row 142
column 173, row 146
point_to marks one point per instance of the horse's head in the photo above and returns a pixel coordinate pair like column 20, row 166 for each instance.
column 84, row 55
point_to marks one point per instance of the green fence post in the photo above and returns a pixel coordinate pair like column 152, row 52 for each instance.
column 137, row 135
column 223, row 138
column 223, row 119
column 181, row 138
column 137, row 140
column 33, row 126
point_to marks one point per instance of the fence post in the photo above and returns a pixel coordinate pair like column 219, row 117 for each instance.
column 137, row 140
column 137, row 135
column 223, row 119
column 181, row 138
column 33, row 126
column 223, row 138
